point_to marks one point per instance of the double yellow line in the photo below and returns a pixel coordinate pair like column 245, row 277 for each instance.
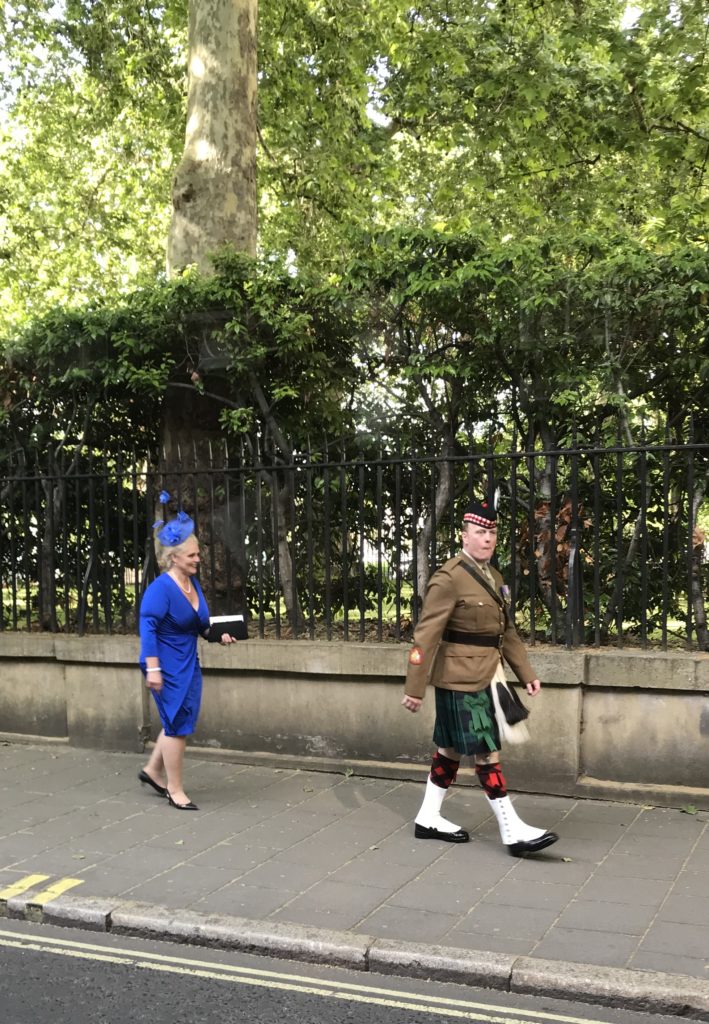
column 29, row 882
column 460, row 1009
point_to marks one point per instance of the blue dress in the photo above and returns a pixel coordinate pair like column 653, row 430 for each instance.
column 169, row 627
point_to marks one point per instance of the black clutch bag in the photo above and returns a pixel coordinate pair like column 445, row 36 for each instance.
column 234, row 625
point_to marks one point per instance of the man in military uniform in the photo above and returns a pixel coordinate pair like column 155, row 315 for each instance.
column 464, row 631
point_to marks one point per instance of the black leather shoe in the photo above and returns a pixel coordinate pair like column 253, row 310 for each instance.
column 421, row 832
column 144, row 777
column 181, row 807
column 532, row 845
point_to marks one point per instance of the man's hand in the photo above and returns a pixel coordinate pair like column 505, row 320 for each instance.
column 533, row 688
column 411, row 703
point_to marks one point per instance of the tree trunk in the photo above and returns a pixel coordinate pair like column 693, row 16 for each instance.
column 423, row 540
column 54, row 514
column 191, row 467
column 629, row 440
column 697, row 592
column 544, row 540
column 214, row 191
column 532, row 401
column 286, row 571
column 47, row 596
column 214, row 203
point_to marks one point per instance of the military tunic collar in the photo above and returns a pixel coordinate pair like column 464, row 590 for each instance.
column 482, row 567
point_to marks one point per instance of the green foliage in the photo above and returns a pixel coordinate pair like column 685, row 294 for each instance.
column 98, row 376
column 511, row 119
column 481, row 220
column 556, row 335
column 93, row 120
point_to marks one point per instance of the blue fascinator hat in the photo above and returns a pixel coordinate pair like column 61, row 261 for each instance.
column 176, row 530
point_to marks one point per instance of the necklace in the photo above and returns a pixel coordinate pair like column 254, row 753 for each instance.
column 185, row 590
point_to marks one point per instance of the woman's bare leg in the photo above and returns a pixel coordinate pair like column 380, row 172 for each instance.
column 155, row 767
column 173, row 753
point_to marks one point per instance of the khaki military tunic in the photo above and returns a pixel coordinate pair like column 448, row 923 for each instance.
column 456, row 601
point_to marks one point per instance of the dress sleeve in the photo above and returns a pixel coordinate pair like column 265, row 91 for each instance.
column 153, row 609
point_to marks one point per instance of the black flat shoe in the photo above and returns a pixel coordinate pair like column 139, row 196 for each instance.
column 532, row 845
column 144, row 777
column 421, row 832
column 181, row 807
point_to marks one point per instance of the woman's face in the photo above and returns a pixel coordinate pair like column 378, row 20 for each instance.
column 185, row 557
column 479, row 542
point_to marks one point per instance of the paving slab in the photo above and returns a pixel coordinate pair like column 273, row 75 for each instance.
column 686, row 910
column 391, row 922
column 637, row 892
column 516, row 892
column 311, row 865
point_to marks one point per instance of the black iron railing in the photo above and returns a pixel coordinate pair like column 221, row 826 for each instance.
column 599, row 545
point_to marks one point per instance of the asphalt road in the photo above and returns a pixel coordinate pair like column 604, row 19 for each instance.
column 62, row 976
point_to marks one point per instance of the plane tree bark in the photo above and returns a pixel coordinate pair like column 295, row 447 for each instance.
column 214, row 204
column 214, row 190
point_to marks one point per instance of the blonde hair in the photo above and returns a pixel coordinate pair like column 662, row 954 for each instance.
column 164, row 552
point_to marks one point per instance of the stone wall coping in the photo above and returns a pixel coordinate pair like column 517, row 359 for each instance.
column 354, row 661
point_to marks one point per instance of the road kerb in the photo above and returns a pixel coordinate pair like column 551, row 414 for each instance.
column 86, row 912
column 648, row 991
column 441, row 963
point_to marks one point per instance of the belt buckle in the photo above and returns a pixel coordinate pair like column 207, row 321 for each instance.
column 500, row 641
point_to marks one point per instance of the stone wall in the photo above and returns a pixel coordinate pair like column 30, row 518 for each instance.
column 628, row 725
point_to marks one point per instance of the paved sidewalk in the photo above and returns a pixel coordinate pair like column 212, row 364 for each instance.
column 625, row 891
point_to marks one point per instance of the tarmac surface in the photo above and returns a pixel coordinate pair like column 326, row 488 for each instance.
column 324, row 867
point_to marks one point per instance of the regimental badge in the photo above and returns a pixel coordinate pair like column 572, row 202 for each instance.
column 416, row 656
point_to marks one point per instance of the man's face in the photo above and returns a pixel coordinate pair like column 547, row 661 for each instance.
column 478, row 541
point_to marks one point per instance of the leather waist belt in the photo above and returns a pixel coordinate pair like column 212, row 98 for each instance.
column 454, row 636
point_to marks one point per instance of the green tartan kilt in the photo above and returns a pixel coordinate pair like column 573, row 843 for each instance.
column 466, row 721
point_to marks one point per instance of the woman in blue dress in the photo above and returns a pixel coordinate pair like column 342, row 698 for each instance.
column 173, row 613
